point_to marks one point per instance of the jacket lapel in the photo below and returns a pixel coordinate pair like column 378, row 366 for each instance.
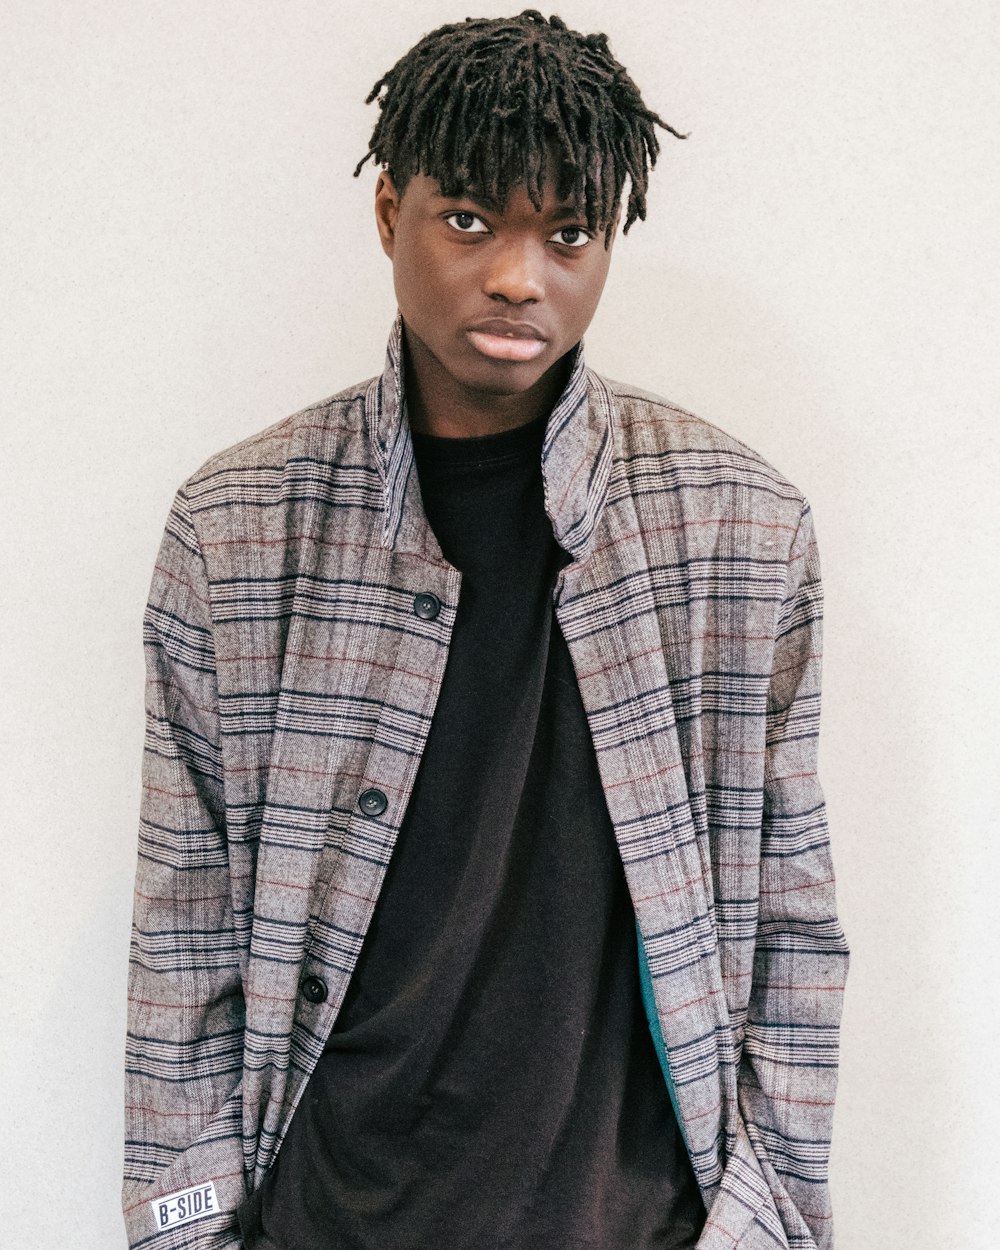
column 627, row 651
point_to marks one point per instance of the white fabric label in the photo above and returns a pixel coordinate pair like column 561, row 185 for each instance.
column 186, row 1205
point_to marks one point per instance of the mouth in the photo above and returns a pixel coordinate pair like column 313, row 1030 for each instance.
column 499, row 339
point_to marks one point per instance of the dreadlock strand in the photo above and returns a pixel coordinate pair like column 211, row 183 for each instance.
column 555, row 126
column 456, row 152
column 533, row 122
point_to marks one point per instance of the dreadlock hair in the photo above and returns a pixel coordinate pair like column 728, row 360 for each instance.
column 480, row 105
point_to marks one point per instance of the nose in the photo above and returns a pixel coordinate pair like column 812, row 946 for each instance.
column 514, row 275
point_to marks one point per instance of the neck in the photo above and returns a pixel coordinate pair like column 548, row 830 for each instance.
column 437, row 404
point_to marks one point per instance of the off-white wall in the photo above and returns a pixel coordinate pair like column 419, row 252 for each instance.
column 186, row 259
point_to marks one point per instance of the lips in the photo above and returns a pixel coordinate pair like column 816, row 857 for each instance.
column 502, row 339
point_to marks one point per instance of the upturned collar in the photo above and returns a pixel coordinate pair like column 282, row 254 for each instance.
column 577, row 453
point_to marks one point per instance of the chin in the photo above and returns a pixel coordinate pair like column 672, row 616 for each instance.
column 504, row 377
column 505, row 381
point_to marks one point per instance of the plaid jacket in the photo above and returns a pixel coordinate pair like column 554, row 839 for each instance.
column 293, row 668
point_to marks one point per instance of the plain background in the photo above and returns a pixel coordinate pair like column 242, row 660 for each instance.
column 186, row 258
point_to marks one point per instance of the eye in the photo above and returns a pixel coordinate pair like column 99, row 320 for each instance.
column 572, row 236
column 466, row 223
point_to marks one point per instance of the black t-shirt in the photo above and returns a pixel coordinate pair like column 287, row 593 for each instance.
column 491, row 1080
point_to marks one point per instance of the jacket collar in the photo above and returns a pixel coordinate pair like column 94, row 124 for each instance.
column 577, row 453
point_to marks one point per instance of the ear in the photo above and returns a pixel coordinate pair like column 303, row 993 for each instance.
column 387, row 200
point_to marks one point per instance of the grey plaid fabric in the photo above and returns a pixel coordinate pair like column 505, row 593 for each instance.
column 289, row 674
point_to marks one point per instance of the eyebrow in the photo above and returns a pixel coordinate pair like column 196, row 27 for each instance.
column 562, row 212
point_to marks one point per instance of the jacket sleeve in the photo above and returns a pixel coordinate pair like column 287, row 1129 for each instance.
column 185, row 1012
column 788, row 1072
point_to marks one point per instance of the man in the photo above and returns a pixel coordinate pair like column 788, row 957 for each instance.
column 484, row 891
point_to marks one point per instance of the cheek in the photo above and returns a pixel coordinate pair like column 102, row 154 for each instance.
column 581, row 294
column 408, row 276
column 424, row 285
column 598, row 274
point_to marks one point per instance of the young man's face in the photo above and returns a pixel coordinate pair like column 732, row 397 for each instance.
column 495, row 297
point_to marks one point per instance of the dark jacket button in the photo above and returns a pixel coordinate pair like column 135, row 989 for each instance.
column 313, row 989
column 426, row 606
column 373, row 802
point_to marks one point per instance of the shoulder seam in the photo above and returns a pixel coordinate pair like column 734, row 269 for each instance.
column 623, row 391
column 348, row 396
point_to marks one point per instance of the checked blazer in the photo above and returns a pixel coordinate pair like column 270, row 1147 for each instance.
column 289, row 673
